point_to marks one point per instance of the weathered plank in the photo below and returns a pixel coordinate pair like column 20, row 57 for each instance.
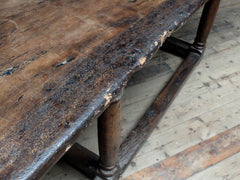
column 217, row 107
column 194, row 159
column 226, row 169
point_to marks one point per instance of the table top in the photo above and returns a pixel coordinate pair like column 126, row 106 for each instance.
column 62, row 62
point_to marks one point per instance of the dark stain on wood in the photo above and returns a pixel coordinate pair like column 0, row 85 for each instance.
column 36, row 131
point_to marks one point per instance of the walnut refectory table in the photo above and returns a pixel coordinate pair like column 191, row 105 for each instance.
column 64, row 63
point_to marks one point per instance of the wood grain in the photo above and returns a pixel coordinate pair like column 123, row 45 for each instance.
column 211, row 94
column 217, row 107
column 59, row 59
column 194, row 159
column 226, row 169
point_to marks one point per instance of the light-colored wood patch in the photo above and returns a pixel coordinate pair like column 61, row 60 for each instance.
column 226, row 169
column 193, row 159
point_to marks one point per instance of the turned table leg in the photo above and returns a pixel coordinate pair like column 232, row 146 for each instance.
column 109, row 132
column 112, row 162
column 205, row 25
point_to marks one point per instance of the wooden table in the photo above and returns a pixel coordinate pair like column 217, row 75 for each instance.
column 64, row 64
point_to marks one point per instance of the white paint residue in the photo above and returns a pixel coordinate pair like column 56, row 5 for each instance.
column 108, row 89
column 108, row 98
column 142, row 60
column 64, row 62
column 68, row 147
column 163, row 37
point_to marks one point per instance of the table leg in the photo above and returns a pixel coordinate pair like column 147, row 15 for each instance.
column 192, row 54
column 109, row 123
column 109, row 132
column 205, row 25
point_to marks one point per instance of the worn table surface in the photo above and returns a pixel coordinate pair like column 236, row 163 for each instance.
column 61, row 63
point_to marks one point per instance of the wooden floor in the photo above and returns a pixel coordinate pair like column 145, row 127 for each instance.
column 199, row 136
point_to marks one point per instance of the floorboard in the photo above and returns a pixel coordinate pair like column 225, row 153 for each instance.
column 194, row 159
